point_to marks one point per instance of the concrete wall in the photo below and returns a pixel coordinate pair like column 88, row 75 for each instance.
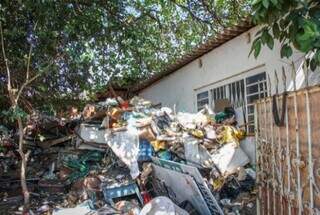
column 227, row 63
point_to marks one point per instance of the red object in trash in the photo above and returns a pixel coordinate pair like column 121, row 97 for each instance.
column 124, row 105
column 146, row 197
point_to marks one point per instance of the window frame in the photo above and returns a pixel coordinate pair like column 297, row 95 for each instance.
column 206, row 98
column 223, row 89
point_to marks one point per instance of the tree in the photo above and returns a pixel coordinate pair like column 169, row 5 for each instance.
column 53, row 50
column 294, row 23
column 14, row 96
column 128, row 40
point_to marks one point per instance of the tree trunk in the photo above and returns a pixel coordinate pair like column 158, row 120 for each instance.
column 24, row 160
column 14, row 103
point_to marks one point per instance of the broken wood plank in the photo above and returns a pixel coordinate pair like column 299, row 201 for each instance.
column 49, row 143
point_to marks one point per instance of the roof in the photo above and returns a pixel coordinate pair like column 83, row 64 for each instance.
column 212, row 43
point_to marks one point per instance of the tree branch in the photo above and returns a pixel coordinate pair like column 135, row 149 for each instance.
column 5, row 58
column 155, row 18
column 26, row 83
column 150, row 15
column 28, row 63
column 194, row 16
column 29, row 56
column 212, row 13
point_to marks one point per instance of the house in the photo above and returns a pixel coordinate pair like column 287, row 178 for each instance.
column 222, row 68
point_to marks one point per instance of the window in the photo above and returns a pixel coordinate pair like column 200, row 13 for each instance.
column 202, row 100
column 218, row 93
column 256, row 87
column 241, row 94
column 233, row 91
column 236, row 93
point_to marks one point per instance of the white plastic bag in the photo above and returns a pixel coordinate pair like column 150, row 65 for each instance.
column 162, row 206
column 229, row 157
column 189, row 120
column 196, row 153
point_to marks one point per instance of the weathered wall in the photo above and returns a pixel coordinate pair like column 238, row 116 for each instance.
column 225, row 62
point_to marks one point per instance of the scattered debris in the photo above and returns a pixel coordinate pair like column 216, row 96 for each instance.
column 129, row 157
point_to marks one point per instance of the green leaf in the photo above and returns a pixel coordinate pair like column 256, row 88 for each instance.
column 304, row 45
column 317, row 43
column 276, row 30
column 266, row 38
column 313, row 64
column 265, row 3
column 286, row 51
column 309, row 32
column 270, row 42
column 317, row 56
column 13, row 113
column 274, row 2
column 255, row 2
column 308, row 62
column 257, row 49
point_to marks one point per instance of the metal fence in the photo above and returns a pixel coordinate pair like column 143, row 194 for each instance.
column 288, row 152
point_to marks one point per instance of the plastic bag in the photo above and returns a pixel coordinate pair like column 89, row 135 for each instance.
column 230, row 134
column 191, row 121
column 162, row 206
column 195, row 153
column 229, row 158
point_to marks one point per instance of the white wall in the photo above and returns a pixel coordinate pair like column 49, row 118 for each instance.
column 221, row 64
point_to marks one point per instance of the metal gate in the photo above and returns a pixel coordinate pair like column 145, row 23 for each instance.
column 288, row 156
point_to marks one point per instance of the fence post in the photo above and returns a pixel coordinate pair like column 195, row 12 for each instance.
column 298, row 159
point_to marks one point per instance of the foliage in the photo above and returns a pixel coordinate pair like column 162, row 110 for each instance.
column 13, row 113
column 90, row 42
column 293, row 22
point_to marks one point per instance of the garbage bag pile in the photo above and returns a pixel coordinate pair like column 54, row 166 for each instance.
column 130, row 157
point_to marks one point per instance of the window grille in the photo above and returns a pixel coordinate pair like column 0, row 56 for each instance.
column 256, row 88
column 202, row 100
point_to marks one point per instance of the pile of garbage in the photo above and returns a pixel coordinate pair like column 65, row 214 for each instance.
column 131, row 157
